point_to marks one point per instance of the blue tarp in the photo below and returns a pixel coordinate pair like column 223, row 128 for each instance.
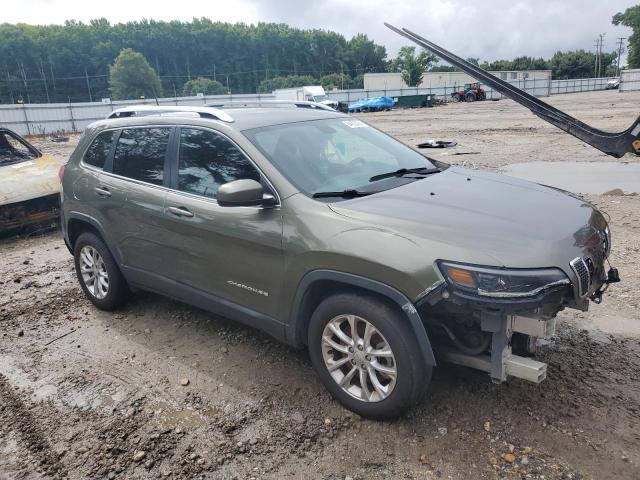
column 376, row 103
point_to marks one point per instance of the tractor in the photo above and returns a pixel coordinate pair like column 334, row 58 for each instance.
column 470, row 93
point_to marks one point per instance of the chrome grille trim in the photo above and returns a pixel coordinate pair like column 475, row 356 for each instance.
column 580, row 268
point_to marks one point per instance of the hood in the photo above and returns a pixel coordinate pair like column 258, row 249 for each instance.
column 29, row 179
column 519, row 223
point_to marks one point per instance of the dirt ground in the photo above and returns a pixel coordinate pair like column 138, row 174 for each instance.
column 88, row 394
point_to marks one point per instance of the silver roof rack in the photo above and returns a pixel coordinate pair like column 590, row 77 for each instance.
column 138, row 110
column 226, row 104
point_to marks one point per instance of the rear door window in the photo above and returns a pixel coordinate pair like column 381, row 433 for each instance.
column 97, row 153
column 140, row 154
column 208, row 160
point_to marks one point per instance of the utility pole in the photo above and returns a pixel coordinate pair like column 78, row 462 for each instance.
column 600, row 54
column 86, row 76
column 595, row 64
column 44, row 79
column 620, row 43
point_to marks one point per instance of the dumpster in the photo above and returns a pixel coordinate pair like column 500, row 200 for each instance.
column 409, row 101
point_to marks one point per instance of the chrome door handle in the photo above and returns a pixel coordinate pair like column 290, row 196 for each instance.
column 180, row 212
column 102, row 191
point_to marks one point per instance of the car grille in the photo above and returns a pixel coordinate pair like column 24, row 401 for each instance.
column 581, row 269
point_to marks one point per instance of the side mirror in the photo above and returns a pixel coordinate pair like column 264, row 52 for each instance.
column 244, row 193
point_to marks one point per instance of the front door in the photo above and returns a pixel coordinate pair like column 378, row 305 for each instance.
column 233, row 253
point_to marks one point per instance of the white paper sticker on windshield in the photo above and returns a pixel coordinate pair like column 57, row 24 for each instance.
column 354, row 124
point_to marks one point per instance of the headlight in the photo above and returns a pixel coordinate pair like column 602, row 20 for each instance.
column 498, row 282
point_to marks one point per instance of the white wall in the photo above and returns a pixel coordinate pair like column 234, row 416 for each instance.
column 630, row 80
column 40, row 119
column 391, row 81
column 44, row 118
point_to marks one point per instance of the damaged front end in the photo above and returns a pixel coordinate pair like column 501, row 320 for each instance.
column 29, row 184
column 492, row 318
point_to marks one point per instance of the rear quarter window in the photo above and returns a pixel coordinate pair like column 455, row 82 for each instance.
column 97, row 153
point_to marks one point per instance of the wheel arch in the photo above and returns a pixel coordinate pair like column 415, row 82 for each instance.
column 79, row 223
column 317, row 285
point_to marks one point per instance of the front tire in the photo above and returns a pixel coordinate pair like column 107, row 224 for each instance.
column 98, row 273
column 366, row 356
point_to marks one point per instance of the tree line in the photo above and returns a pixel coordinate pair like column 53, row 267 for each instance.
column 71, row 61
column 77, row 61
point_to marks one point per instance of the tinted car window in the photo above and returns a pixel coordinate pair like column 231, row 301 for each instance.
column 140, row 154
column 208, row 160
column 98, row 151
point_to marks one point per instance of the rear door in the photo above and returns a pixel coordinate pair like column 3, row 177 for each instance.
column 234, row 253
column 133, row 189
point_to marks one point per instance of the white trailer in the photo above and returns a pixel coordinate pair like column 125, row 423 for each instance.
column 312, row 93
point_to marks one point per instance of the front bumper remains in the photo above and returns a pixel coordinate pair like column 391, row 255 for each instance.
column 501, row 362
column 500, row 318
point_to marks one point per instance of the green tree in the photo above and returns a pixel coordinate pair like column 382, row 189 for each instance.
column 203, row 85
column 131, row 76
column 631, row 18
column 357, row 81
column 336, row 80
column 578, row 64
column 412, row 66
column 290, row 81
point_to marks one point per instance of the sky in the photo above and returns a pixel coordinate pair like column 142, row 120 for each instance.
column 490, row 30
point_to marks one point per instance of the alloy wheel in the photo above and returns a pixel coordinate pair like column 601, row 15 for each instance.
column 359, row 358
column 94, row 272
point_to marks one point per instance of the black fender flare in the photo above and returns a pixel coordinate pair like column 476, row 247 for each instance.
column 295, row 326
column 82, row 217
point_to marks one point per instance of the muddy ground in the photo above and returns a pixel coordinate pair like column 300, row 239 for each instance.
column 89, row 394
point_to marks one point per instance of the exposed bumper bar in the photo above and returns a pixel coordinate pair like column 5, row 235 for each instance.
column 514, row 365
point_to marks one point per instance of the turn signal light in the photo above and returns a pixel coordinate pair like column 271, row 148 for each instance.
column 461, row 277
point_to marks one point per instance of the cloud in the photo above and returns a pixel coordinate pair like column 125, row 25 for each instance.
column 490, row 30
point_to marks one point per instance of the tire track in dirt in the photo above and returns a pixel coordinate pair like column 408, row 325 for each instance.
column 18, row 419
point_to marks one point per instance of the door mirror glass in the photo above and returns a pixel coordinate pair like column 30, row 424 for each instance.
column 244, row 193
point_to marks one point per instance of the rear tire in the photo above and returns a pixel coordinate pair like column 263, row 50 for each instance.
column 383, row 354
column 470, row 97
column 98, row 273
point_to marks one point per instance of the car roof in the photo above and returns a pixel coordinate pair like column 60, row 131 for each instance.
column 243, row 118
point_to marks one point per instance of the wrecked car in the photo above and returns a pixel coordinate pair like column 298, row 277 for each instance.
column 29, row 184
column 330, row 235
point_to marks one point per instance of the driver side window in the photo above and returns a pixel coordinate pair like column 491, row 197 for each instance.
column 207, row 160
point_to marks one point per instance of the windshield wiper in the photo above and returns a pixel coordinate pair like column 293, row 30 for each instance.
column 404, row 171
column 350, row 193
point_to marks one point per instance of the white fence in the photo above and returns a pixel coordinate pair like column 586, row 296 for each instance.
column 44, row 118
column 579, row 85
column 630, row 80
column 41, row 119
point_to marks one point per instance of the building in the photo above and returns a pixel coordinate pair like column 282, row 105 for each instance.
column 393, row 81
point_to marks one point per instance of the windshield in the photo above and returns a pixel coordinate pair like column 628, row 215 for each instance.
column 334, row 154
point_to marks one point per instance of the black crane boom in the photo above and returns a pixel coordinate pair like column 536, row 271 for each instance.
column 616, row 144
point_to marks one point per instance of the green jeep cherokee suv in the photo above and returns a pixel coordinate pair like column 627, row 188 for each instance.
column 328, row 234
